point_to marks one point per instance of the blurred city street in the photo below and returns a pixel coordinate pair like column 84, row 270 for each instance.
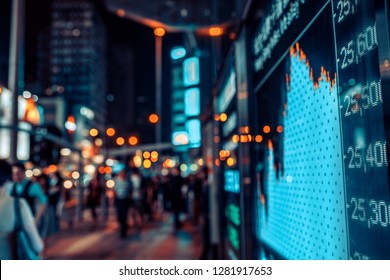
column 186, row 130
column 157, row 240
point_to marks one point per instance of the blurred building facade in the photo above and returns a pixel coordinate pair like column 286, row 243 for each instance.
column 77, row 61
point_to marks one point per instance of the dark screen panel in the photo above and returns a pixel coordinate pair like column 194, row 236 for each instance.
column 228, row 160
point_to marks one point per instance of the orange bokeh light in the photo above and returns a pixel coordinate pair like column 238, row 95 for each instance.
column 230, row 161
column 215, row 31
column 110, row 131
column 159, row 31
column 120, row 141
column 267, row 129
column 153, row 118
column 121, row 12
column 52, row 168
column 93, row 132
column 223, row 117
column 146, row 154
column 133, row 140
column 259, row 138
column 147, row 163
column 235, row 138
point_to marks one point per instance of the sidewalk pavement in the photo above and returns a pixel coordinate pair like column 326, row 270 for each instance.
column 158, row 240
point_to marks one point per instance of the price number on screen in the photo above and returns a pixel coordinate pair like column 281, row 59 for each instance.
column 373, row 212
column 355, row 49
column 345, row 8
column 363, row 98
column 372, row 156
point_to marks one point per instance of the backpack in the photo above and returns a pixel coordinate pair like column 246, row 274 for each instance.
column 30, row 200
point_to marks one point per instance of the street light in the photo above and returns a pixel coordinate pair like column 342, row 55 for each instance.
column 14, row 76
column 153, row 118
column 215, row 31
column 121, row 12
column 159, row 32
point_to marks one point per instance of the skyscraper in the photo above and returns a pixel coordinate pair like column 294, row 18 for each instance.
column 77, row 60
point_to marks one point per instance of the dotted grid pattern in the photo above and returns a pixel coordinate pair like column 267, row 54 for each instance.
column 306, row 211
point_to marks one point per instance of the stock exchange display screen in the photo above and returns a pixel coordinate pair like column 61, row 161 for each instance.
column 321, row 80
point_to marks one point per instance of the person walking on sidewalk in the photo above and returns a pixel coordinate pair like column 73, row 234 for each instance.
column 177, row 195
column 31, row 191
column 137, row 198
column 94, row 196
column 122, row 199
column 8, row 219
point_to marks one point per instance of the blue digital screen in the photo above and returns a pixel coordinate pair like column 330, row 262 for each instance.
column 323, row 190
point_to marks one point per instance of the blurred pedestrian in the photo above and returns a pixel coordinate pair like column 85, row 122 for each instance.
column 44, row 223
column 196, row 183
column 31, row 191
column 153, row 194
column 138, row 197
column 94, row 195
column 177, row 195
column 54, row 196
column 122, row 199
column 57, row 200
column 8, row 219
column 165, row 189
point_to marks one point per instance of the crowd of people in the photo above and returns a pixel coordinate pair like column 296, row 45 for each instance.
column 136, row 198
column 40, row 200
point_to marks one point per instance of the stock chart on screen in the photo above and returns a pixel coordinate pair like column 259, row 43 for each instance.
column 320, row 85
